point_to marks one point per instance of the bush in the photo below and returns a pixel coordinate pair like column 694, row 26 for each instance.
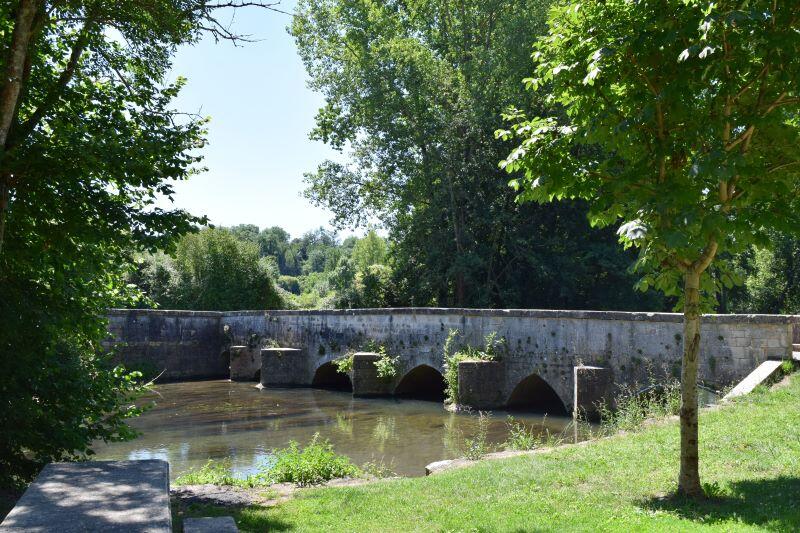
column 315, row 463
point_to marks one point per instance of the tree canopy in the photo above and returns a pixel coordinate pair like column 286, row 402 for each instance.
column 680, row 120
column 89, row 142
column 413, row 90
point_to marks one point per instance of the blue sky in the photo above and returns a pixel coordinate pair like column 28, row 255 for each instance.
column 261, row 113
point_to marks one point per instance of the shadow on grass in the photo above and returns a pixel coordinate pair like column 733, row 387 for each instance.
column 247, row 518
column 773, row 504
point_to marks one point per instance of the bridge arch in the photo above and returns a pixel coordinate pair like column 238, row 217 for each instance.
column 423, row 382
column 327, row 376
column 534, row 394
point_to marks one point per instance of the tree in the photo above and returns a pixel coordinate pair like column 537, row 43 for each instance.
column 369, row 250
column 415, row 89
column 89, row 141
column 680, row 118
column 218, row 272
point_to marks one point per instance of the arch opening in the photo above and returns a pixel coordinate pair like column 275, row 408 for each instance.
column 328, row 377
column 534, row 394
column 422, row 383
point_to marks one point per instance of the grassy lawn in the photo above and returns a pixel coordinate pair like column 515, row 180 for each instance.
column 750, row 461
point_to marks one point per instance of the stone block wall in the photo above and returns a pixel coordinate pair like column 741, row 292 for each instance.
column 177, row 345
column 549, row 344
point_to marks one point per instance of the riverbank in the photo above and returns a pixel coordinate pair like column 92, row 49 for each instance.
column 750, row 463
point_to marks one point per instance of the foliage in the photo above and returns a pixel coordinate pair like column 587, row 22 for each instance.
column 215, row 473
column 314, row 463
column 386, row 365
column 211, row 270
column 771, row 279
column 379, row 469
column 90, row 145
column 680, row 120
column 751, row 453
column 632, row 408
column 414, row 90
column 476, row 447
column 452, row 356
column 520, row 436
column 344, row 365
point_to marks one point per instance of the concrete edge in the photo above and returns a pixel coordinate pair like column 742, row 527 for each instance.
column 467, row 312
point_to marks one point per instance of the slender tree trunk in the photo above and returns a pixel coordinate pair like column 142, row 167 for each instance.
column 689, row 479
column 3, row 209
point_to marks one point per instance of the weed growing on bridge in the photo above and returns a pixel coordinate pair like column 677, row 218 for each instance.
column 490, row 352
column 344, row 364
column 387, row 366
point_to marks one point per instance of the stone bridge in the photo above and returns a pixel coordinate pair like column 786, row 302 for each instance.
column 551, row 360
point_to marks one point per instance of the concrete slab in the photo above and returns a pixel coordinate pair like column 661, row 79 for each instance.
column 218, row 524
column 796, row 356
column 765, row 372
column 108, row 496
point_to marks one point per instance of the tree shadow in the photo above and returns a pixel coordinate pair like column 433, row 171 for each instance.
column 773, row 504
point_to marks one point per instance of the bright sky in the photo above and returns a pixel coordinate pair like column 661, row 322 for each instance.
column 261, row 113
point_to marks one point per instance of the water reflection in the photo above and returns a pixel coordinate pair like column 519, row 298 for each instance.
column 193, row 422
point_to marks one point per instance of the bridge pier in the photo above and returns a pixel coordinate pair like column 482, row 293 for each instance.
column 283, row 367
column 594, row 387
column 366, row 382
column 481, row 384
column 245, row 363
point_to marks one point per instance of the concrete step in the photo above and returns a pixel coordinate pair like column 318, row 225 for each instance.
column 796, row 356
column 217, row 524
column 130, row 496
column 765, row 372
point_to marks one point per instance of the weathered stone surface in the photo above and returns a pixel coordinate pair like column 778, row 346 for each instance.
column 113, row 496
column 245, row 363
column 481, row 384
column 547, row 344
column 174, row 345
column 764, row 374
column 283, row 367
column 217, row 524
column 365, row 378
column 594, row 387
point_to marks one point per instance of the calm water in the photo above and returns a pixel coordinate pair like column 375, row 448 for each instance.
column 196, row 421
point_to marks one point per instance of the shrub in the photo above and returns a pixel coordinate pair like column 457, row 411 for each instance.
column 315, row 463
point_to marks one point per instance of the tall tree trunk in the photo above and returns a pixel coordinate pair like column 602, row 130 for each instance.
column 16, row 57
column 689, row 479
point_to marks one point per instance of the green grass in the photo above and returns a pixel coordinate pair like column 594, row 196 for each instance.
column 750, row 462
